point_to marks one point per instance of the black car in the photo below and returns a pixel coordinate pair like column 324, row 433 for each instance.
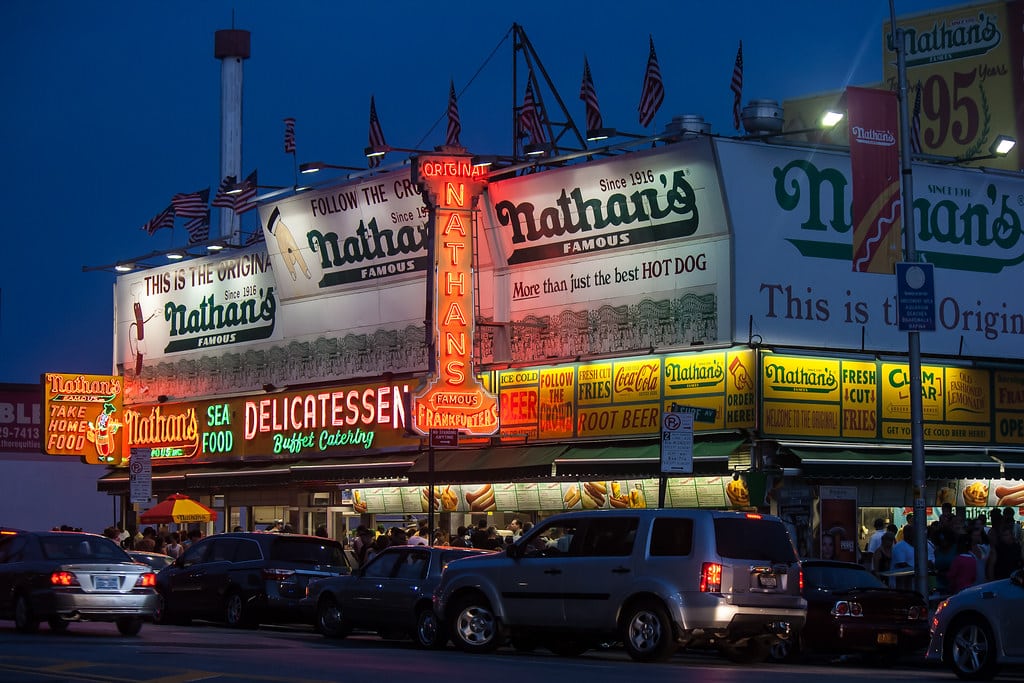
column 246, row 578
column 389, row 595
column 851, row 611
column 60, row 577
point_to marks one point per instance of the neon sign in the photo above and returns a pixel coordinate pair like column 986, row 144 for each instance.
column 82, row 416
column 453, row 397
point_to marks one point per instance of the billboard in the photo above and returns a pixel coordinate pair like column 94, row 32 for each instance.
column 792, row 248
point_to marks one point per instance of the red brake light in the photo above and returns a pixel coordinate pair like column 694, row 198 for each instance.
column 711, row 577
column 278, row 574
column 801, row 579
column 147, row 580
column 63, row 579
column 841, row 608
column 753, row 515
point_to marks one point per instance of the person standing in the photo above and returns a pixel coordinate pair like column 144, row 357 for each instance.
column 1004, row 557
column 903, row 558
column 881, row 559
column 876, row 537
column 963, row 570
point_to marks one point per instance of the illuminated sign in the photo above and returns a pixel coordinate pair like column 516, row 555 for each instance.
column 82, row 416
column 453, row 397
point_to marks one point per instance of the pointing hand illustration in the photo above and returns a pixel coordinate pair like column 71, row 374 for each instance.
column 286, row 244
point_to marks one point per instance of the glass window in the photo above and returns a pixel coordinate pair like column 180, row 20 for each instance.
column 307, row 551
column 743, row 538
column 247, row 551
column 196, row 554
column 413, row 565
column 610, row 537
column 383, row 566
column 223, row 550
column 555, row 539
column 671, row 537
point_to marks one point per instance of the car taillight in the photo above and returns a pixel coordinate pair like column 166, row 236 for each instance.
column 147, row 580
column 845, row 608
column 711, row 577
column 64, row 579
column 917, row 613
column 278, row 574
column 801, row 580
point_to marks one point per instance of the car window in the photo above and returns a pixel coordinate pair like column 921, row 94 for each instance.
column 307, row 551
column 12, row 548
column 413, row 565
column 382, row 566
column 196, row 554
column 609, row 537
column 223, row 550
column 839, row 578
column 82, row 548
column 556, row 539
column 672, row 537
column 753, row 538
column 247, row 551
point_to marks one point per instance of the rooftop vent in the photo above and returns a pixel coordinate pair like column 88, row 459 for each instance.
column 687, row 123
column 762, row 117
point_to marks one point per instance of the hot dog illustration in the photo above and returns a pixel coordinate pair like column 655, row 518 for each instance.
column 1012, row 496
column 482, row 499
column 593, row 495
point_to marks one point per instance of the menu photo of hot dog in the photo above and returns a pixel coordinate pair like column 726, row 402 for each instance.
column 480, row 498
column 594, row 494
column 1009, row 493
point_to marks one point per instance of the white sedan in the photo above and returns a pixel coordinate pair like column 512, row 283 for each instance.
column 978, row 630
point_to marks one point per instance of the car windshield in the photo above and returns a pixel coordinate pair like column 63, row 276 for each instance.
column 306, row 551
column 839, row 578
column 82, row 548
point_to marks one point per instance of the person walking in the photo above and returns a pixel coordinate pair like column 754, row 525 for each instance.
column 1004, row 557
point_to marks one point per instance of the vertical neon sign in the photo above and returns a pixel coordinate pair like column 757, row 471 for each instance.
column 453, row 397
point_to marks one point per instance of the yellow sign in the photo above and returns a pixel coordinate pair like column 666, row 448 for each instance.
column 83, row 416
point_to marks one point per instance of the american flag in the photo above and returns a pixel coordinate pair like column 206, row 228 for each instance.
column 244, row 199
column 737, row 87
column 191, row 204
column 198, row 229
column 915, row 123
column 223, row 199
column 589, row 97
column 255, row 236
column 454, row 124
column 164, row 219
column 529, row 117
column 289, row 135
column 376, row 135
column 654, row 90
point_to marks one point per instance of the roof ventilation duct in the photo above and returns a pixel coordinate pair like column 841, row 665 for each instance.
column 762, row 117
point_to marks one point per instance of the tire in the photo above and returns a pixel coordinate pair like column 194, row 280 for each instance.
column 430, row 633
column 475, row 629
column 236, row 614
column 787, row 650
column 329, row 621
column 58, row 625
column 24, row 620
column 569, row 647
column 647, row 632
column 129, row 626
column 970, row 650
column 752, row 651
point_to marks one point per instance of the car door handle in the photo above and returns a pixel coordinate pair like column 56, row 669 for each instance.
column 620, row 570
column 552, row 571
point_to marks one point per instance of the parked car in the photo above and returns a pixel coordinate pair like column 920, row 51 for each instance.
column 654, row 579
column 60, row 576
column 978, row 631
column 390, row 595
column 155, row 560
column 246, row 578
column 849, row 611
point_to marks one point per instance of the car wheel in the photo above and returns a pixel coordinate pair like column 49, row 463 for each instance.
column 329, row 620
column 24, row 620
column 751, row 651
column 475, row 628
column 429, row 633
column 129, row 626
column 236, row 614
column 569, row 647
column 58, row 625
column 647, row 632
column 971, row 650
column 786, row 649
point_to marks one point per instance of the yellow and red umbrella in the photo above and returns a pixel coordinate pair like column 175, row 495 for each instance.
column 178, row 509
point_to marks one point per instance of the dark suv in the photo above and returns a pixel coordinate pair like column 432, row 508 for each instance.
column 654, row 579
column 245, row 579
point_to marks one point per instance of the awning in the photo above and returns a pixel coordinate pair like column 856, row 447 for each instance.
column 487, row 464
column 263, row 473
column 892, row 464
column 709, row 457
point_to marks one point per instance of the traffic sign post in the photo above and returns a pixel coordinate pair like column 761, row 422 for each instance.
column 140, row 475
column 676, row 448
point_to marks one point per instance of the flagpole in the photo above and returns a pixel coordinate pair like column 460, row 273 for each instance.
column 917, row 467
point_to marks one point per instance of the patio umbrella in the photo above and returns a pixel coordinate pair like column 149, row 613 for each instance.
column 179, row 509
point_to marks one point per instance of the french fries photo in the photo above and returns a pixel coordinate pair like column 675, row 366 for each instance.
column 571, row 497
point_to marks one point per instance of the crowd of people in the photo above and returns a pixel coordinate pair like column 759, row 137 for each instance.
column 153, row 540
column 368, row 542
column 961, row 552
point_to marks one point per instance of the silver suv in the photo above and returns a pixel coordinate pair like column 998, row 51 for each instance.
column 654, row 579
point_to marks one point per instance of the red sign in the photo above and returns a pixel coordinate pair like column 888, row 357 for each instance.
column 453, row 397
column 875, row 172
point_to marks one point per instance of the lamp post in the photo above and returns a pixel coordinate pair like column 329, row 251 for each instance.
column 917, row 470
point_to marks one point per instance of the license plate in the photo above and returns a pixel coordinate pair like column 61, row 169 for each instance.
column 105, row 583
column 887, row 639
column 767, row 581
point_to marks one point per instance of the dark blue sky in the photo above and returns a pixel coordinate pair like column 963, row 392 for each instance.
column 112, row 107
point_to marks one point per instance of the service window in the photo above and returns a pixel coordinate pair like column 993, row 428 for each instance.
column 671, row 536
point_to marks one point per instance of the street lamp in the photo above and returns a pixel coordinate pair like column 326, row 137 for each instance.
column 317, row 166
column 598, row 134
column 1000, row 147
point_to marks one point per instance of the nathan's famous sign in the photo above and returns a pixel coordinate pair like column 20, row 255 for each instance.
column 453, row 397
column 82, row 417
